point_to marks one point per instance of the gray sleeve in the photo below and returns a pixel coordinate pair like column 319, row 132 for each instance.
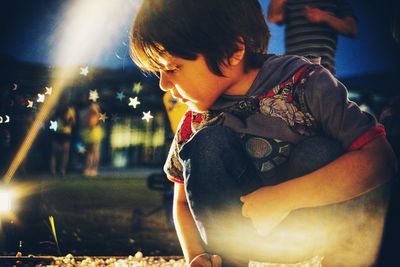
column 337, row 116
column 172, row 167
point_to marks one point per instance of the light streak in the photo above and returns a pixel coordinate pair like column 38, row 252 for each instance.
column 85, row 31
column 90, row 27
column 48, row 105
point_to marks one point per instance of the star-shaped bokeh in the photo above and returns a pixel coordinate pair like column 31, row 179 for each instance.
column 147, row 116
column 30, row 104
column 137, row 87
column 133, row 101
column 93, row 95
column 103, row 117
column 49, row 90
column 84, row 71
column 40, row 98
column 81, row 148
column 115, row 117
column 53, row 125
column 120, row 96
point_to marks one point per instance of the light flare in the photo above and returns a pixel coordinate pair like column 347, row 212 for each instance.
column 349, row 232
column 87, row 29
column 90, row 27
column 5, row 201
column 11, row 198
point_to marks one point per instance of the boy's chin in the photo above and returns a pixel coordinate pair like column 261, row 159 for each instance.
column 195, row 107
column 198, row 110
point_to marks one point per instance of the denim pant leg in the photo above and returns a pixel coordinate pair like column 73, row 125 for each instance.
column 217, row 172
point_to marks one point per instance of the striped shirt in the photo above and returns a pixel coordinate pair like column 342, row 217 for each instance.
column 304, row 38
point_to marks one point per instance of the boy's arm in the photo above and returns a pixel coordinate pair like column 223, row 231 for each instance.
column 276, row 11
column 349, row 176
column 185, row 227
column 188, row 235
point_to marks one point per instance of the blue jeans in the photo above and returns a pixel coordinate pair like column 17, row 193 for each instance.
column 217, row 171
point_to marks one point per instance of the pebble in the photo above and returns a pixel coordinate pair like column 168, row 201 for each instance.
column 138, row 260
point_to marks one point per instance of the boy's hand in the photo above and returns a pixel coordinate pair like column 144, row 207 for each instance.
column 265, row 209
column 206, row 260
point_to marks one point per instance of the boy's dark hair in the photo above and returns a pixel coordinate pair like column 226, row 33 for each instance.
column 186, row 28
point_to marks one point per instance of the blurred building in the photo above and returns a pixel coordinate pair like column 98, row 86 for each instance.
column 128, row 140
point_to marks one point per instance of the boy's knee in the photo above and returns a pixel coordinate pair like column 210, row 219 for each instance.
column 216, row 135
column 210, row 143
column 216, row 155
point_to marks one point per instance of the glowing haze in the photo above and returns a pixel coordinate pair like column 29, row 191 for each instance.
column 85, row 31
column 88, row 29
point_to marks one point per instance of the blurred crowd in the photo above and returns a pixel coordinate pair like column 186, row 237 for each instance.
column 72, row 133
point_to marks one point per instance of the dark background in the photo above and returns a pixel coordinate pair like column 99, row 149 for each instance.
column 27, row 27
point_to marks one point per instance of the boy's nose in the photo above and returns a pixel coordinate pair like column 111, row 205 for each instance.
column 165, row 83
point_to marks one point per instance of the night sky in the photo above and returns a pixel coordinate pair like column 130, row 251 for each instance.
column 28, row 29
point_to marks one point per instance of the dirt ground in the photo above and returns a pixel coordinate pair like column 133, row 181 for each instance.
column 93, row 216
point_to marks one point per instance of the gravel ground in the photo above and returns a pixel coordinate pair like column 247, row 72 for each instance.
column 93, row 216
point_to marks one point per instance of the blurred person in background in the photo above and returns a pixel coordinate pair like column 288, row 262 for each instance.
column 65, row 118
column 390, row 118
column 91, row 134
column 312, row 27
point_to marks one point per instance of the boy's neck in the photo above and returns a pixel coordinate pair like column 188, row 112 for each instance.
column 242, row 82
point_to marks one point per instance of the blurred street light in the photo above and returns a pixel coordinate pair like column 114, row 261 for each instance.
column 5, row 201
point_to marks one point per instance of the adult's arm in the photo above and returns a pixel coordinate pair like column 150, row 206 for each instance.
column 276, row 11
column 188, row 235
column 346, row 25
column 349, row 176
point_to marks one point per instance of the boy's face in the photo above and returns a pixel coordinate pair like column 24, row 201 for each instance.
column 191, row 82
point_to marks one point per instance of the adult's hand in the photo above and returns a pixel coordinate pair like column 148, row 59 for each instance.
column 265, row 208
column 315, row 15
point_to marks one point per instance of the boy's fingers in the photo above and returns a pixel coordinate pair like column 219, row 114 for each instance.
column 243, row 198
column 202, row 260
column 216, row 261
column 244, row 212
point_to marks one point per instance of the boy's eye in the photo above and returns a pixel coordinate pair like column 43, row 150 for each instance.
column 172, row 70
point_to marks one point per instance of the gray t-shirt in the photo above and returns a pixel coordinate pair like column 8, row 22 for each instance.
column 295, row 102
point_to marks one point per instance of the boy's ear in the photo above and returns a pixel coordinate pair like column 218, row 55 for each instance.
column 238, row 56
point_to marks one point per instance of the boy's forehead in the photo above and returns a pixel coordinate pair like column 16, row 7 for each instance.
column 156, row 55
column 166, row 60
